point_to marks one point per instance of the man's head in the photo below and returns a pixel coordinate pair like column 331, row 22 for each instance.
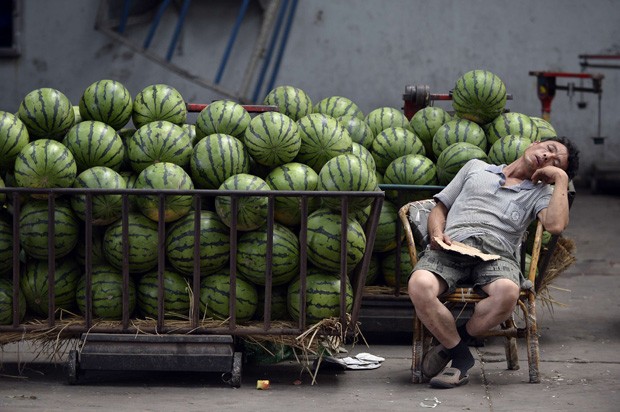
column 573, row 155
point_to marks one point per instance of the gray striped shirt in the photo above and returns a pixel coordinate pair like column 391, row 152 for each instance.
column 478, row 204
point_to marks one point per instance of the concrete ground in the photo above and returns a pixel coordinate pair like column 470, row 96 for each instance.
column 580, row 359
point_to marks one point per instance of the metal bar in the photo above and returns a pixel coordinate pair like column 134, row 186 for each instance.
column 124, row 16
column 88, row 248
column 251, row 108
column 344, row 223
column 232, row 294
column 303, row 261
column 231, row 40
column 267, row 61
column 600, row 56
column 125, row 269
column 16, row 262
column 567, row 74
column 269, row 263
column 177, row 29
column 161, row 259
column 285, row 35
column 51, row 260
column 160, row 12
column 195, row 309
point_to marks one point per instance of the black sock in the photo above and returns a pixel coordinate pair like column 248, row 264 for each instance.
column 462, row 358
column 462, row 330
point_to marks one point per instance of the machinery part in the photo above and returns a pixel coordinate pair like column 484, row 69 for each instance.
column 233, row 378
column 73, row 367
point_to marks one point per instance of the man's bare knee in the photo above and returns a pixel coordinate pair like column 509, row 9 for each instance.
column 424, row 286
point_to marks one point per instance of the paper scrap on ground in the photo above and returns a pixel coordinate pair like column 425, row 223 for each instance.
column 361, row 361
column 464, row 249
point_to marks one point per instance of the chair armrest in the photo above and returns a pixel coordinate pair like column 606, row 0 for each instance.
column 403, row 213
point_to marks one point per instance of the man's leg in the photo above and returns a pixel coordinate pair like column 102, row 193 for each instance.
column 495, row 309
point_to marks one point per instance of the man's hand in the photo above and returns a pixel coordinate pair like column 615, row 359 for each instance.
column 446, row 239
column 550, row 175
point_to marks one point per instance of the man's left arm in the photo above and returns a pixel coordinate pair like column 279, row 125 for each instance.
column 555, row 217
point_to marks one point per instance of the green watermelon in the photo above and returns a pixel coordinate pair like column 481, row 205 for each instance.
column 94, row 143
column 6, row 244
column 479, row 96
column 507, row 149
column 338, row 106
column 358, row 130
column 215, row 297
column 214, row 243
column 454, row 157
column 252, row 255
column 106, row 293
column 106, row 101
column 222, row 116
column 324, row 234
column 385, row 117
column 34, row 284
column 410, row 170
column 252, row 210
column 389, row 221
column 389, row 268
column 47, row 114
column 143, row 241
column 156, row 103
column 105, row 208
column 512, row 123
column 291, row 101
column 160, row 141
column 459, row 130
column 279, row 311
column 322, row 296
column 394, row 142
column 176, row 295
column 296, row 177
column 364, row 154
column 96, row 252
column 425, row 123
column 545, row 129
column 217, row 157
column 45, row 163
column 322, row 138
column 164, row 176
column 272, row 139
column 6, row 303
column 33, row 229
column 13, row 138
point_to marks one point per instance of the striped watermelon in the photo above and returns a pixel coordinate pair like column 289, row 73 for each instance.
column 322, row 296
column 6, row 244
column 34, row 284
column 545, row 129
column 347, row 172
column 252, row 255
column 94, row 143
column 322, row 138
column 222, row 116
column 33, row 229
column 279, row 311
column 105, row 208
column 47, row 114
column 479, row 96
column 107, row 293
column 374, row 270
column 507, row 149
column 385, row 117
column 358, row 130
column 6, row 302
column 394, row 142
column 324, row 240
column 13, row 138
column 410, row 170
column 190, row 129
column 272, row 139
column 215, row 297
column 454, row 157
column 164, row 176
column 176, row 295
column 96, row 253
column 107, row 101
column 160, row 141
column 78, row 116
column 156, row 103
column 512, row 123
column 459, row 130
column 388, row 267
column 217, row 157
column 291, row 101
column 425, row 123
column 386, row 239
column 2, row 195
column 214, row 243
column 45, row 163
column 337, row 106
column 252, row 210
column 297, row 177
column 364, row 154
column 143, row 242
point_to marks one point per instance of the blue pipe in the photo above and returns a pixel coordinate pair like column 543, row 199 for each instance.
column 231, row 40
column 276, row 33
column 123, row 23
column 177, row 29
column 287, row 30
column 158, row 16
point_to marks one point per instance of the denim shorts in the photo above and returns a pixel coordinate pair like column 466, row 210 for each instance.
column 459, row 269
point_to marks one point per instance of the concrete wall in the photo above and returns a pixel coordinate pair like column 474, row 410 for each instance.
column 363, row 49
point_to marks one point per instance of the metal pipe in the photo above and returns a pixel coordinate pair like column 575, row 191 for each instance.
column 231, row 40
column 177, row 29
column 285, row 35
column 124, row 16
column 160, row 12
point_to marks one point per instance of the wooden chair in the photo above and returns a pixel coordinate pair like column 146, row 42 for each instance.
column 467, row 295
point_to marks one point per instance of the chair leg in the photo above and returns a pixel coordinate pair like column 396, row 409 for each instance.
column 418, row 351
column 533, row 350
column 510, row 346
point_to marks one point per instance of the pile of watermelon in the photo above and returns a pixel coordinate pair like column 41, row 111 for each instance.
column 112, row 141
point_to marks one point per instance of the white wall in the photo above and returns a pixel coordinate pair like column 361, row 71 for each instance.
column 363, row 49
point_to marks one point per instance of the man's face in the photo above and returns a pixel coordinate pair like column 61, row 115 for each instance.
column 547, row 153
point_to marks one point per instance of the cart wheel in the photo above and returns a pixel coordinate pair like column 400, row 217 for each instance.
column 72, row 365
column 233, row 378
